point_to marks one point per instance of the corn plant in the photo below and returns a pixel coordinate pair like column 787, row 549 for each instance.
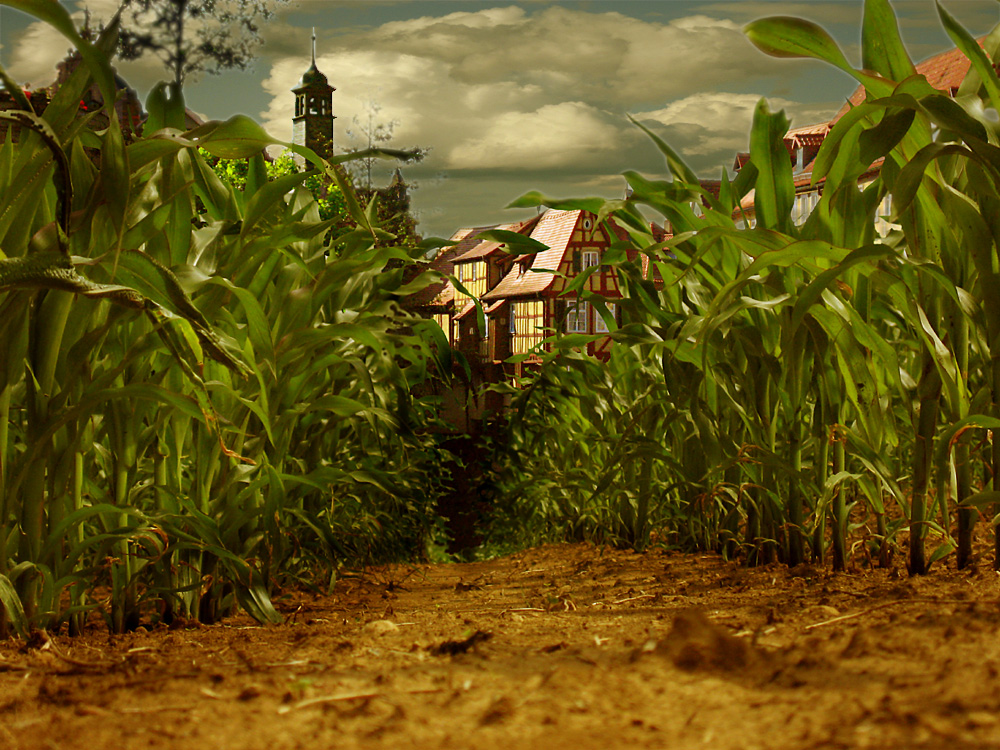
column 202, row 395
column 826, row 373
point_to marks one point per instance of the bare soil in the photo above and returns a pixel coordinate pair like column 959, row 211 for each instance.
column 566, row 646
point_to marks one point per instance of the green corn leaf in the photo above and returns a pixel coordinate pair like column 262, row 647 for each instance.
column 12, row 605
column 786, row 36
column 774, row 193
column 982, row 500
column 812, row 292
column 971, row 49
column 882, row 49
column 115, row 174
column 941, row 551
column 948, row 114
column 239, row 137
column 257, row 324
column 534, row 198
column 58, row 17
column 257, row 174
column 677, row 165
column 16, row 93
column 875, row 143
column 267, row 197
column 912, row 175
column 165, row 108
column 517, row 243
column 783, row 36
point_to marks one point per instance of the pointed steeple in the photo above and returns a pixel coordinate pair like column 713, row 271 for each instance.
column 312, row 125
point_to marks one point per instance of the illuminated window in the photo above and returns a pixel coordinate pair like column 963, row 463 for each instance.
column 599, row 325
column 576, row 317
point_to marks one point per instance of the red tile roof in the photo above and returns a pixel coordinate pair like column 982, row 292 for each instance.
column 944, row 72
column 808, row 135
column 479, row 251
column 554, row 229
column 441, row 293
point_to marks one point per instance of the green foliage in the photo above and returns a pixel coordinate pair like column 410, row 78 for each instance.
column 211, row 392
column 328, row 196
column 785, row 389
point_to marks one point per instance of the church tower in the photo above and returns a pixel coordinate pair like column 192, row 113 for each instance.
column 312, row 125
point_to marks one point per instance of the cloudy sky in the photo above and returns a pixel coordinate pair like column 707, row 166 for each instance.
column 523, row 95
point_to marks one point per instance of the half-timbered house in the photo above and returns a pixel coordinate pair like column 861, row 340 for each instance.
column 523, row 297
column 530, row 303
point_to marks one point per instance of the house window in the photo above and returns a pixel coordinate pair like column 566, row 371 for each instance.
column 591, row 258
column 587, row 223
column 513, row 321
column 576, row 317
column 599, row 325
column 458, row 272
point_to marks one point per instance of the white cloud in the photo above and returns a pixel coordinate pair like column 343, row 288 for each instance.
column 40, row 47
column 555, row 136
column 505, row 88
column 709, row 128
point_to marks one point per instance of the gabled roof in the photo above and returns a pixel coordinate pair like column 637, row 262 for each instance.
column 808, row 135
column 488, row 247
column 944, row 72
column 554, row 229
column 441, row 292
column 468, row 246
column 479, row 251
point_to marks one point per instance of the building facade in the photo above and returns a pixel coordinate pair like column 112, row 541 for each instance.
column 525, row 298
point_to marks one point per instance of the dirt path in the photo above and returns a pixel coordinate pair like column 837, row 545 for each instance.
column 567, row 646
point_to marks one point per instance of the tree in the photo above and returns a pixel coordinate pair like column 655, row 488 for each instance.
column 370, row 133
column 329, row 199
column 194, row 35
column 392, row 203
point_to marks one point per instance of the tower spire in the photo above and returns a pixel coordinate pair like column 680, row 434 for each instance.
column 312, row 125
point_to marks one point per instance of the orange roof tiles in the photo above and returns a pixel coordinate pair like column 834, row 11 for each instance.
column 944, row 72
column 554, row 229
column 441, row 293
column 468, row 245
column 479, row 251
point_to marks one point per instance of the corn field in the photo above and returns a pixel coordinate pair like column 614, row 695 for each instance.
column 202, row 393
column 793, row 392
column 205, row 395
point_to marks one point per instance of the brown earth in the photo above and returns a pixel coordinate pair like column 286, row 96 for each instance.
column 567, row 646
